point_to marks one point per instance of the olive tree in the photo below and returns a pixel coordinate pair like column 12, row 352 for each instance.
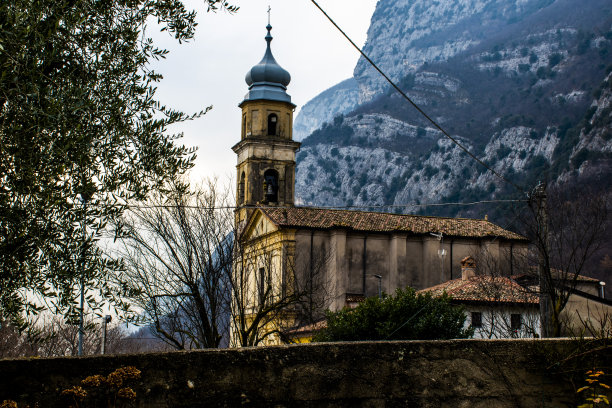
column 81, row 135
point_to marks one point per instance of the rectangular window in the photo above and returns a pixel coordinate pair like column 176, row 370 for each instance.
column 262, row 285
column 476, row 319
column 515, row 321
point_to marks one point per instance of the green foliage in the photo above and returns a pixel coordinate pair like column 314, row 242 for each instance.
column 79, row 119
column 554, row 59
column 430, row 171
column 503, row 151
column 404, row 316
column 407, row 82
column 337, row 132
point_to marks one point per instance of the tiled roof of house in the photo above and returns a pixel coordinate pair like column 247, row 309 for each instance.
column 308, row 329
column 484, row 289
column 556, row 274
column 320, row 218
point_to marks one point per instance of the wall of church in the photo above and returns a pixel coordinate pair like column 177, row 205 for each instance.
column 400, row 259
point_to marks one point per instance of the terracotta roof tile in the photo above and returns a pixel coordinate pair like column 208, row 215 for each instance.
column 320, row 218
column 557, row 274
column 484, row 289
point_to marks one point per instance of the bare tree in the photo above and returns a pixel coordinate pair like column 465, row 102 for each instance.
column 178, row 253
column 195, row 283
column 54, row 337
column 272, row 296
column 566, row 228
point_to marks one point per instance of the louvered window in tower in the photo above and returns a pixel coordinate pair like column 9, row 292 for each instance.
column 241, row 189
column 272, row 122
column 271, row 186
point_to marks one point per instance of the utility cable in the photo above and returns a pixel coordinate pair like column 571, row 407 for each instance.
column 347, row 207
column 403, row 94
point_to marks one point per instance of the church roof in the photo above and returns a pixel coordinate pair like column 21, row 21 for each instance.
column 320, row 218
column 484, row 289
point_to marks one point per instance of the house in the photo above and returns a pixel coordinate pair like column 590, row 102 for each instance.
column 350, row 254
column 496, row 306
column 587, row 311
column 508, row 306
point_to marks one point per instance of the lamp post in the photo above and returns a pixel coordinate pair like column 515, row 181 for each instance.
column 379, row 285
column 107, row 319
column 84, row 198
column 441, row 253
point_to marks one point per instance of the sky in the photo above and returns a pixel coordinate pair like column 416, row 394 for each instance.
column 210, row 69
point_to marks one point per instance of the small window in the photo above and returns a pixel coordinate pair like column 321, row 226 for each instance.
column 476, row 319
column 262, row 285
column 244, row 126
column 241, row 189
column 515, row 321
column 272, row 124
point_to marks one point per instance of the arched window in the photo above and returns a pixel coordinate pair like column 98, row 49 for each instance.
column 271, row 186
column 244, row 126
column 241, row 189
column 272, row 122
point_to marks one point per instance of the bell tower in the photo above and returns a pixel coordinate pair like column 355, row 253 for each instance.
column 266, row 151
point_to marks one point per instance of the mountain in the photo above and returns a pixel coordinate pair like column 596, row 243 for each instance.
column 344, row 97
column 524, row 85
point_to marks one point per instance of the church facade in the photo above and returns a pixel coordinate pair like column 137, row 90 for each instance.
column 352, row 254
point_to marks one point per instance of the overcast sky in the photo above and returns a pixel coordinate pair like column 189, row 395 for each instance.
column 210, row 69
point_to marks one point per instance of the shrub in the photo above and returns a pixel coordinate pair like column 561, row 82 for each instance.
column 429, row 171
column 404, row 316
column 554, row 59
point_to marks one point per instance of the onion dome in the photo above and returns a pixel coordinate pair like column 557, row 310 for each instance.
column 268, row 80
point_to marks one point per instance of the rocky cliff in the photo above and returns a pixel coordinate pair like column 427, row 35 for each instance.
column 524, row 84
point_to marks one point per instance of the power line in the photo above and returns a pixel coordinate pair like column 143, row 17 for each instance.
column 337, row 207
column 403, row 94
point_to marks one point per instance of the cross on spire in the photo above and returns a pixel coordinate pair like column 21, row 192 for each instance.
column 269, row 9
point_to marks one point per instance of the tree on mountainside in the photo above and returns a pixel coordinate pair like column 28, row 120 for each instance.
column 81, row 134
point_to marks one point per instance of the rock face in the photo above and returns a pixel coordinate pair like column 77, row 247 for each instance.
column 406, row 34
column 524, row 85
column 343, row 98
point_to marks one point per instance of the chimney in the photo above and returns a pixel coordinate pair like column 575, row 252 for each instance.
column 468, row 268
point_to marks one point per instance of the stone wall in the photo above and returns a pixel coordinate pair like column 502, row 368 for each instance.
column 458, row 373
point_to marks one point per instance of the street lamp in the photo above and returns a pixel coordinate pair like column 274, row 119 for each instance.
column 379, row 285
column 85, row 196
column 107, row 319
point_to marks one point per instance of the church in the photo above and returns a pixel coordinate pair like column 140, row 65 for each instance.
column 352, row 254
